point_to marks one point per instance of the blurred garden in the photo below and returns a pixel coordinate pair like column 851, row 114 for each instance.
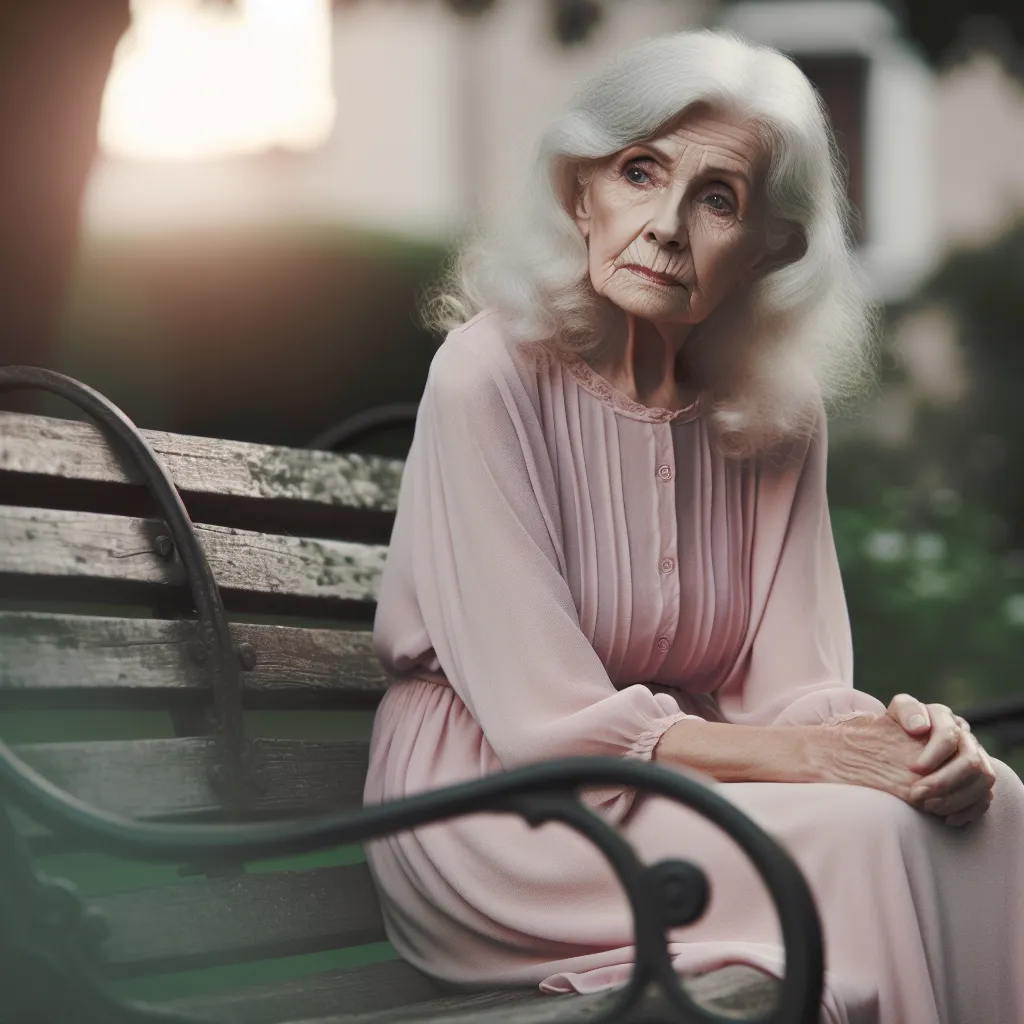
column 272, row 328
column 930, row 531
column 264, row 287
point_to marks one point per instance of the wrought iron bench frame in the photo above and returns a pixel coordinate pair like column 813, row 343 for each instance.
column 46, row 928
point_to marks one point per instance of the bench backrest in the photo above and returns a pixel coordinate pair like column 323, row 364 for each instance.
column 296, row 540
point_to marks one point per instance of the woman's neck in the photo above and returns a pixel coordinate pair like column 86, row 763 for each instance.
column 642, row 362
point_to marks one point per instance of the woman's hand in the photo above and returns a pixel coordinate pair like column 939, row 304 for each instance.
column 874, row 751
column 957, row 773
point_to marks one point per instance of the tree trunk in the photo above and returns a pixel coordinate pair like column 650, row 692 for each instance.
column 55, row 56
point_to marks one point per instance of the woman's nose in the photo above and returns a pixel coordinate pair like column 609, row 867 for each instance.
column 667, row 227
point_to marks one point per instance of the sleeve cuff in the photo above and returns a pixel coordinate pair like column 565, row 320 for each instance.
column 643, row 746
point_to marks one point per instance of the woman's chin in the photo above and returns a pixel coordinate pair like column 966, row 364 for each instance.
column 656, row 304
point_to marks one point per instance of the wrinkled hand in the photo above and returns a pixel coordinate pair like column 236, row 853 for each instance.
column 874, row 751
column 957, row 774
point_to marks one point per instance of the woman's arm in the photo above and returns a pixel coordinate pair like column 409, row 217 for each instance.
column 746, row 753
column 797, row 666
column 873, row 751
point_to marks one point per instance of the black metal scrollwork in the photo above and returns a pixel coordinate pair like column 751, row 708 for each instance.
column 210, row 646
column 368, row 421
column 665, row 895
column 539, row 793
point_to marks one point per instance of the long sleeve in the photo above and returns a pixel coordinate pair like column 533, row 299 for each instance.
column 799, row 669
column 476, row 572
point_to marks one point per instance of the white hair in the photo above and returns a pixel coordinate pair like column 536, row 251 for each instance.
column 806, row 330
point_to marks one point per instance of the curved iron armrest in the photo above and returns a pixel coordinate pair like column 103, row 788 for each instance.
column 368, row 421
column 45, row 932
column 668, row 894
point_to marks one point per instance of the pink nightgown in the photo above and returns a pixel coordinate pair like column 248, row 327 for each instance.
column 570, row 573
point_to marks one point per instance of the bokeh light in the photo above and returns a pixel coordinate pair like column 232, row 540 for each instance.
column 194, row 80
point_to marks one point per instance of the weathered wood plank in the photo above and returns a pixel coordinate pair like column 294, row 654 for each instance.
column 171, row 777
column 250, row 485
column 110, row 555
column 246, row 917
column 393, row 992
column 379, row 986
column 502, row 1006
column 88, row 661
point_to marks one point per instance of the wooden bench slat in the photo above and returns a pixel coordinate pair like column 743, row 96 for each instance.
column 394, row 992
column 56, row 548
column 379, row 986
column 55, row 462
column 163, row 778
column 80, row 526
column 207, row 923
column 92, row 660
column 510, row 1006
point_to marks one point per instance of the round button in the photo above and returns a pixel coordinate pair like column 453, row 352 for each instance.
column 663, row 643
column 665, row 472
column 667, row 564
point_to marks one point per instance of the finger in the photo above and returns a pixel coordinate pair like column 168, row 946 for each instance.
column 960, row 799
column 970, row 762
column 952, row 773
column 911, row 714
column 942, row 744
column 971, row 814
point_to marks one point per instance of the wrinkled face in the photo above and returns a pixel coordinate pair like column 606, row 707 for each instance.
column 674, row 224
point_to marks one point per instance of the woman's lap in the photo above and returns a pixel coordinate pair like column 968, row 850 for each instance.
column 911, row 908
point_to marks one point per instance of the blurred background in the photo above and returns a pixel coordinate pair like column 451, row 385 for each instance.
column 222, row 214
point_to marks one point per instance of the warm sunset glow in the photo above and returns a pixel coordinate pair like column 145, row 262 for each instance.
column 195, row 80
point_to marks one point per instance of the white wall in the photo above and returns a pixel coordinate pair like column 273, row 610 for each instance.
column 436, row 116
column 979, row 152
column 901, row 244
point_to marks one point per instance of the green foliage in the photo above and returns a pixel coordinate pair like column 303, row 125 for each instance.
column 936, row 600
column 931, row 534
column 978, row 444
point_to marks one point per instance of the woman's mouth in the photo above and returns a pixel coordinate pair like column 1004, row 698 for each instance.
column 652, row 275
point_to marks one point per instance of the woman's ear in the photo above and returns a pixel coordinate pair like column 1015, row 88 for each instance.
column 785, row 242
column 581, row 210
column 580, row 192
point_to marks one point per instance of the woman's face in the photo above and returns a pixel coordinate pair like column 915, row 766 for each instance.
column 675, row 224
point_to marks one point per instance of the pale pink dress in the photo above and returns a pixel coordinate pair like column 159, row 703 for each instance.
column 570, row 573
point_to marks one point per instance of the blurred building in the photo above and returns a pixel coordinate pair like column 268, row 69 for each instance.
column 306, row 118
column 435, row 115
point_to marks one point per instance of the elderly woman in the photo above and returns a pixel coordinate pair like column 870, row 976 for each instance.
column 612, row 538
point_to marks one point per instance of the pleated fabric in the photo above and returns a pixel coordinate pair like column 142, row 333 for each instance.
column 571, row 573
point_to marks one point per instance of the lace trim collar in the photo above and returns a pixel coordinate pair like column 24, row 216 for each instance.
column 592, row 382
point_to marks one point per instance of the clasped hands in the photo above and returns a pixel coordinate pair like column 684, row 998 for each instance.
column 926, row 755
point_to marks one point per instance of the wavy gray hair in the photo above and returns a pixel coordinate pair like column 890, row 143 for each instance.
column 804, row 333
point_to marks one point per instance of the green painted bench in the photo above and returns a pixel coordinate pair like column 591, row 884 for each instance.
column 97, row 619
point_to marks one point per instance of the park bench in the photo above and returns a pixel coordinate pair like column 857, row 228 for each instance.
column 113, row 599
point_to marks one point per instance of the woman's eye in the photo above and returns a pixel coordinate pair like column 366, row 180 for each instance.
column 636, row 174
column 718, row 202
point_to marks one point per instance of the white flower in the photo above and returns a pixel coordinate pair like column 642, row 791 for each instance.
column 929, row 547
column 886, row 545
column 1013, row 609
column 930, row 582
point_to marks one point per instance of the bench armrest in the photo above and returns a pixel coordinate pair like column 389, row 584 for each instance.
column 666, row 894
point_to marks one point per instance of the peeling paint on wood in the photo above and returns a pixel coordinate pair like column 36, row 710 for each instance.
column 70, row 450
column 60, row 544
